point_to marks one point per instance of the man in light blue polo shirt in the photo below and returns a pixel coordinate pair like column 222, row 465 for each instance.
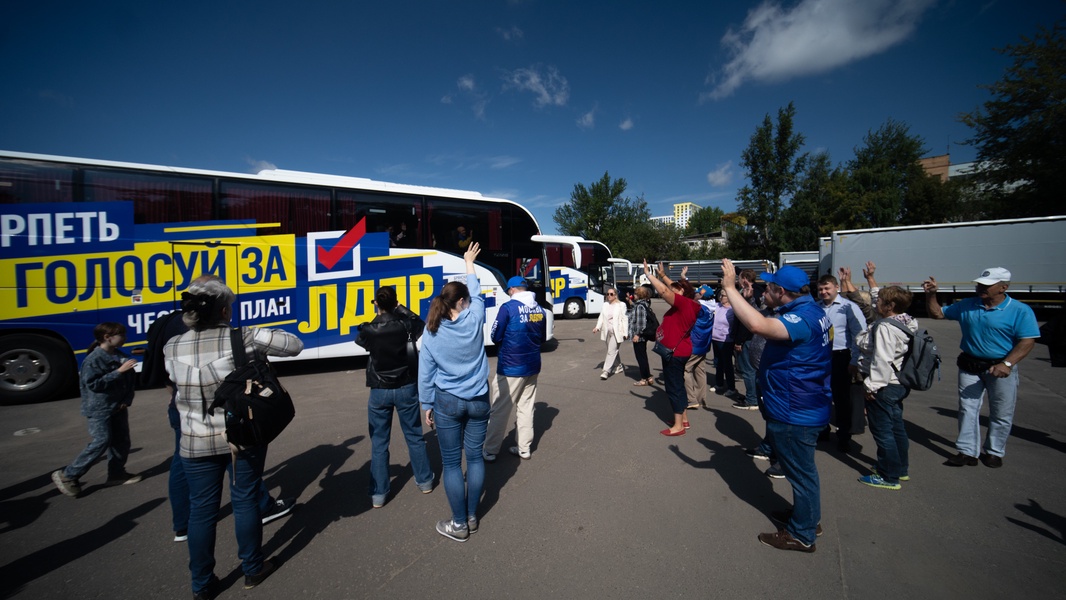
column 997, row 333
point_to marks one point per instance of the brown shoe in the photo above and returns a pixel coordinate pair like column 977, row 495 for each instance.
column 782, row 517
column 961, row 460
column 783, row 540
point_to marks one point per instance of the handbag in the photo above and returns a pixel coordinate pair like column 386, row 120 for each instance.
column 257, row 407
column 412, row 350
column 663, row 351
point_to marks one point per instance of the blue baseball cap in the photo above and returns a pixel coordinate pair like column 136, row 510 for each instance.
column 706, row 290
column 517, row 281
column 789, row 277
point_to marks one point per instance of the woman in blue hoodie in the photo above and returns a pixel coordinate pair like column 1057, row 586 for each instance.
column 453, row 387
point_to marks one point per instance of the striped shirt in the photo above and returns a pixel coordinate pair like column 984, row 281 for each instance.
column 198, row 361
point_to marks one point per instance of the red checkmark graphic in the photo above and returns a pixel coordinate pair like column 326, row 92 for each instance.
column 330, row 258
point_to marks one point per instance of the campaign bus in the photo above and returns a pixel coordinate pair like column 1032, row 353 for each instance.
column 580, row 270
column 87, row 241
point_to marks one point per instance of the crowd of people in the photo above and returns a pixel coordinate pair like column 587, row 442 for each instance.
column 811, row 357
column 798, row 356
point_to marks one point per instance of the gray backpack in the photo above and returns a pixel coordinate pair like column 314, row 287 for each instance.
column 921, row 361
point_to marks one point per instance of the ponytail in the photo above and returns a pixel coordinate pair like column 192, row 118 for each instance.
column 102, row 331
column 441, row 307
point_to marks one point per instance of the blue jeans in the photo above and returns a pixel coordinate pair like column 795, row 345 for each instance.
column 461, row 426
column 178, row 489
column 111, row 436
column 794, row 446
column 205, row 476
column 674, row 380
column 747, row 372
column 379, row 416
column 1002, row 394
column 885, row 416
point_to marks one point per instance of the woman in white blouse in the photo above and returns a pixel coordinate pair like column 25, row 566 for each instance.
column 613, row 327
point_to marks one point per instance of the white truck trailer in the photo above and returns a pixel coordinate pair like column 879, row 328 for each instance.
column 1033, row 250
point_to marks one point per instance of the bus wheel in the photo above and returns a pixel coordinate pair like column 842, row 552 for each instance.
column 574, row 309
column 34, row 368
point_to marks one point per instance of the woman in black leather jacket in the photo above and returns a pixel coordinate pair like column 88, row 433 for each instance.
column 392, row 376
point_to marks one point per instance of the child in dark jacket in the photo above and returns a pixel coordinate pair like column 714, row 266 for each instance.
column 107, row 382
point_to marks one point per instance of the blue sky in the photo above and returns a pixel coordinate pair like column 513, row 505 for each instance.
column 519, row 99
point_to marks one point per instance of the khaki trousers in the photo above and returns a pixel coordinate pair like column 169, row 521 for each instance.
column 505, row 393
column 696, row 380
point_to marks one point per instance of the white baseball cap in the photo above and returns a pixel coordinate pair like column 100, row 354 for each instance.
column 993, row 276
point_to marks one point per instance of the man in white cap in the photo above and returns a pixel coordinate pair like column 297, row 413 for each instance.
column 997, row 333
column 519, row 329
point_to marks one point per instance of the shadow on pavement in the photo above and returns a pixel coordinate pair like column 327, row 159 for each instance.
column 16, row 574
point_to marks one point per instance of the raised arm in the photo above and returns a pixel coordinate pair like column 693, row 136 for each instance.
column 771, row 329
column 664, row 290
column 932, row 306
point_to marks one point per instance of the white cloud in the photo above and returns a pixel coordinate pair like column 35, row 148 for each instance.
column 548, row 86
column 513, row 34
column 468, row 89
column 776, row 43
column 466, row 83
column 626, row 124
column 587, row 120
column 464, row 162
column 721, row 175
column 260, row 165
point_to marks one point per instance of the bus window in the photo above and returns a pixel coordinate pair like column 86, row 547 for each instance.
column 453, row 225
column 297, row 210
column 400, row 216
column 156, row 198
column 28, row 182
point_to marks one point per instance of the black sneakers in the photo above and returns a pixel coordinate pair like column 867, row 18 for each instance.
column 250, row 581
column 280, row 508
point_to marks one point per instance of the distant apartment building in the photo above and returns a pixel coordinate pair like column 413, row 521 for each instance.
column 682, row 213
column 665, row 220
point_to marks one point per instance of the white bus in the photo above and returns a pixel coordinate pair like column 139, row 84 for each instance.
column 580, row 270
column 86, row 241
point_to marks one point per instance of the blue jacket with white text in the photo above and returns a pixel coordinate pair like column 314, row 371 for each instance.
column 519, row 329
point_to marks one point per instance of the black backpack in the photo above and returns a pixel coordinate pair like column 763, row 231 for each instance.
column 651, row 325
column 921, row 361
column 257, row 407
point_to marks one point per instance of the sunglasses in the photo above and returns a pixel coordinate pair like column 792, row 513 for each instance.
column 610, row 293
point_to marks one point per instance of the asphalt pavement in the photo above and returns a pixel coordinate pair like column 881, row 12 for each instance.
column 606, row 508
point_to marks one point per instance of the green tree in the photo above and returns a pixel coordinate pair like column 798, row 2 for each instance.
column 930, row 200
column 705, row 220
column 773, row 164
column 815, row 210
column 883, row 171
column 592, row 209
column 1020, row 134
column 602, row 212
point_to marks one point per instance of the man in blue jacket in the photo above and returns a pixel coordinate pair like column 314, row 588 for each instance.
column 518, row 331
column 794, row 377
